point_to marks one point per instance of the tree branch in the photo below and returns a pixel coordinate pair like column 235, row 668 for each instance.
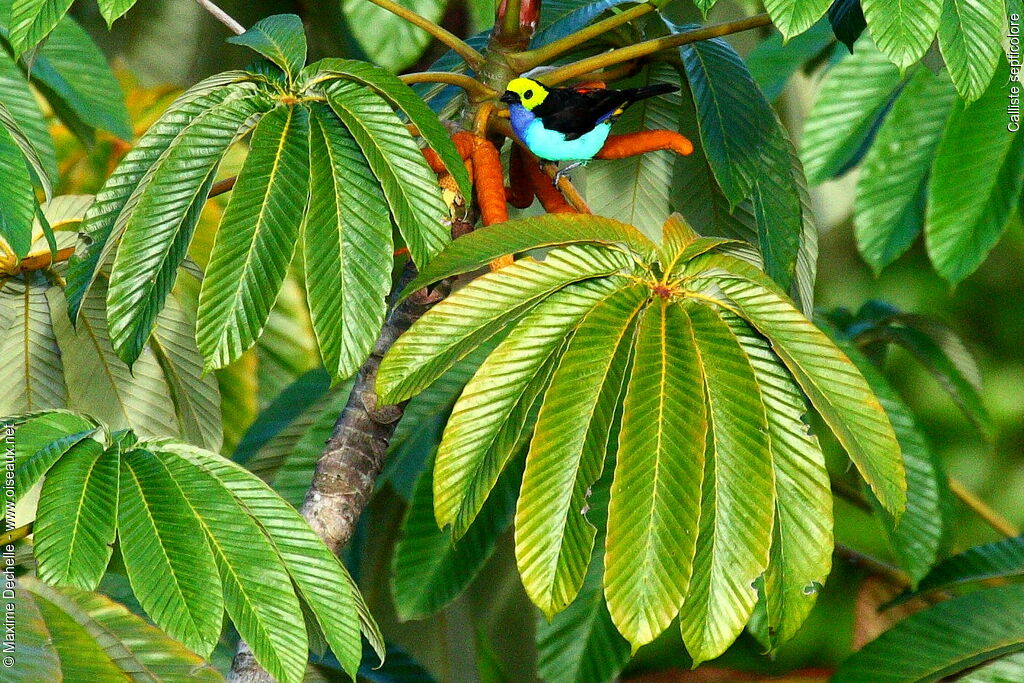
column 222, row 16
column 15, row 535
column 649, row 47
column 467, row 83
column 524, row 61
column 462, row 48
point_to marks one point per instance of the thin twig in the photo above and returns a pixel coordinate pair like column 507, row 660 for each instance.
column 982, row 510
column 222, row 186
column 462, row 48
column 15, row 535
column 222, row 16
column 467, row 83
column 524, row 61
column 568, row 190
column 649, row 47
column 873, row 565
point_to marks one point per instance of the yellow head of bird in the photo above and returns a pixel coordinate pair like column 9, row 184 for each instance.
column 524, row 91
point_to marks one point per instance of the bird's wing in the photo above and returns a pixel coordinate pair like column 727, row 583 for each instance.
column 575, row 113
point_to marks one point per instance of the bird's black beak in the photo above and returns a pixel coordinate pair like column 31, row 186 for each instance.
column 509, row 97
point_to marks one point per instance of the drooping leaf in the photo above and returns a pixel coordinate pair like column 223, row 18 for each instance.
column 489, row 418
column 31, row 376
column 167, row 556
column 105, row 221
column 321, row 579
column 737, row 501
column 902, row 29
column 10, row 125
column 554, row 537
column 429, row 568
column 847, row 20
column 74, row 527
column 735, row 119
column 72, row 73
column 888, row 212
column 831, row 381
column 68, row 634
column 17, row 207
column 280, row 38
column 32, row 20
column 655, row 497
column 409, row 185
column 559, row 18
column 112, row 10
column 401, row 96
column 458, row 324
column 21, row 102
column 853, row 100
column 41, row 442
column 943, row 640
column 795, row 16
column 256, row 238
column 801, row 549
column 774, row 61
column 159, row 229
column 970, row 33
column 346, row 248
column 977, row 175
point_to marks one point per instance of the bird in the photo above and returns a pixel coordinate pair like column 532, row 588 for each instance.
column 568, row 124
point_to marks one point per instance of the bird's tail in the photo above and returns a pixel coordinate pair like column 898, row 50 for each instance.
column 637, row 94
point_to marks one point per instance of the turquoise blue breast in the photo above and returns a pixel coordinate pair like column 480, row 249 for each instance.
column 552, row 145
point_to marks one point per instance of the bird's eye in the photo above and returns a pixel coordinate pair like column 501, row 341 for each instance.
column 528, row 94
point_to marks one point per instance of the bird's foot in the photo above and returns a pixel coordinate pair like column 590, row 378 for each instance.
column 564, row 172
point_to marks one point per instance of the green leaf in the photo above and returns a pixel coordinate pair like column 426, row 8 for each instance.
column 105, row 221
column 778, row 208
column 795, row 16
column 1006, row 669
column 21, row 102
column 279, row 38
column 196, row 396
column 735, row 119
column 976, row 179
column 847, row 20
column 43, row 441
column 159, row 229
column 888, row 212
column 459, row 323
column 429, row 568
column 943, row 640
column 321, row 579
column 27, row 149
column 31, row 377
column 256, row 238
column 636, row 190
column 99, row 383
column 831, row 381
column 801, row 549
column 902, row 29
column 559, row 18
column 852, row 99
column 19, row 202
column 409, row 185
column 167, row 557
column 655, row 496
column 581, row 643
column 74, row 528
column 489, row 418
column 112, row 10
column 483, row 245
column 970, row 36
column 394, row 43
column 347, row 245
column 72, row 635
column 919, row 535
column 400, row 95
column 554, row 537
column 998, row 560
column 32, row 20
column 774, row 61
column 738, row 494
column 72, row 73
column 258, row 592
